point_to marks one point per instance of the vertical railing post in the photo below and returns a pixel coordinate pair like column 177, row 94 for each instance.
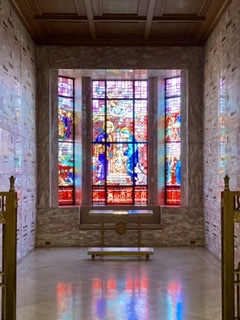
column 10, row 252
column 227, row 259
column 237, row 299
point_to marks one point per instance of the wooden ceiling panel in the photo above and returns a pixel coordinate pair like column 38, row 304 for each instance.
column 58, row 28
column 183, row 6
column 170, row 28
column 120, row 22
column 129, row 29
column 115, row 7
column 54, row 6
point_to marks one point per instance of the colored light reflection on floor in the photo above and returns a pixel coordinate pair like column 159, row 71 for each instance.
column 174, row 301
column 64, row 301
column 120, row 300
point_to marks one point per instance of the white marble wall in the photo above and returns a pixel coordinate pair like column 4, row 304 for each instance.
column 221, row 121
column 17, row 122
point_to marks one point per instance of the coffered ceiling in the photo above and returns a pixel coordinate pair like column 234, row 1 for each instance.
column 120, row 22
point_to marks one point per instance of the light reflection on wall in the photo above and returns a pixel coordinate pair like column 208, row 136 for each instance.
column 120, row 299
column 222, row 131
column 174, row 301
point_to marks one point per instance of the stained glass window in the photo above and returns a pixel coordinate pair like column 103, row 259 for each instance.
column 173, row 140
column 65, row 140
column 119, row 142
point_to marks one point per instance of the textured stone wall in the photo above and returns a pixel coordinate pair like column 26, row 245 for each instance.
column 17, row 122
column 221, row 121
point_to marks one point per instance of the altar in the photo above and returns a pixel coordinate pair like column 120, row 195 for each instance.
column 121, row 228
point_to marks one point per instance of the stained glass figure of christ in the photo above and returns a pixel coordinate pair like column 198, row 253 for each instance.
column 119, row 142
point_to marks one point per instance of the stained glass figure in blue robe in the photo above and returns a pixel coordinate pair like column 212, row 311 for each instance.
column 131, row 153
column 102, row 151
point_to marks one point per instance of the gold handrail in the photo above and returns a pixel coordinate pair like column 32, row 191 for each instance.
column 8, row 219
column 230, row 214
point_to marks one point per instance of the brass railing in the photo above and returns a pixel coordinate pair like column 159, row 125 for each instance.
column 237, row 292
column 8, row 220
column 230, row 214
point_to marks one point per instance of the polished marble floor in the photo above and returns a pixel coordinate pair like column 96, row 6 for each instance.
column 65, row 284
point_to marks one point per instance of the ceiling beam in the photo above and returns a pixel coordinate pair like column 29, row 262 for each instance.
column 118, row 18
column 90, row 17
column 150, row 13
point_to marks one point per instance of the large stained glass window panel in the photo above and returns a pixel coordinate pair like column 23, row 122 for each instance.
column 65, row 140
column 173, row 140
column 119, row 144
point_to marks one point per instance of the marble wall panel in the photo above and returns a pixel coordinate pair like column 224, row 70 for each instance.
column 221, row 132
column 211, row 122
column 17, row 122
column 232, row 152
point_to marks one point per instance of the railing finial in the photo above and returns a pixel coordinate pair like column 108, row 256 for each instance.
column 226, row 183
column 12, row 181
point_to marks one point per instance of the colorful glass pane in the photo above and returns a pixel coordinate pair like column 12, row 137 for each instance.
column 65, row 195
column 173, row 137
column 98, row 107
column 99, row 163
column 119, row 145
column 65, row 118
column 173, row 195
column 65, row 87
column 98, row 195
column 141, row 195
column 173, row 119
column 140, row 89
column 141, row 119
column 98, row 89
column 173, row 164
column 65, row 140
column 119, row 89
column 119, row 195
column 119, row 108
column 173, row 87
column 65, row 163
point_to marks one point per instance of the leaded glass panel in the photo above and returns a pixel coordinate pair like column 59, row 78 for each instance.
column 173, row 139
column 119, row 145
column 173, row 87
column 65, row 87
column 65, row 140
